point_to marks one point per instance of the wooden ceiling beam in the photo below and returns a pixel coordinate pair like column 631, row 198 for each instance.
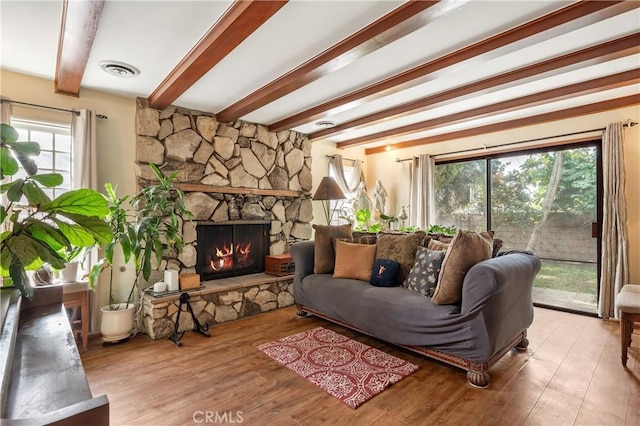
column 608, row 82
column 79, row 24
column 614, row 49
column 582, row 110
column 564, row 20
column 394, row 25
column 237, row 23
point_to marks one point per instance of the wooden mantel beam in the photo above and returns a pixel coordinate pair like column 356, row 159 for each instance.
column 197, row 187
column 77, row 31
column 237, row 23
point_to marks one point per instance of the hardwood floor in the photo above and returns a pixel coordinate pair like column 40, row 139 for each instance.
column 570, row 374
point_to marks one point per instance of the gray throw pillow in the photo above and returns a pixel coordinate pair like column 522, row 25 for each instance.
column 423, row 277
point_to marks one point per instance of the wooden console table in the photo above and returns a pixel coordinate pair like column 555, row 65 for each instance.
column 42, row 381
column 76, row 294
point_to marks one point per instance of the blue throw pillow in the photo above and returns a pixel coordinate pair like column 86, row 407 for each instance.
column 384, row 273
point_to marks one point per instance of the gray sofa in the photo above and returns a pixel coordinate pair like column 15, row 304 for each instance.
column 492, row 318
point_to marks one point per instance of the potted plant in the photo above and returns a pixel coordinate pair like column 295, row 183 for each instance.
column 144, row 227
column 36, row 228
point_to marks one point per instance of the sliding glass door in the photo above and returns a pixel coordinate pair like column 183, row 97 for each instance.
column 542, row 201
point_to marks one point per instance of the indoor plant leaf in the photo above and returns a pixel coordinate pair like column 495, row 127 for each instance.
column 19, row 277
column 49, row 235
column 49, row 180
column 98, row 228
column 21, row 246
column 29, row 149
column 8, row 133
column 8, row 163
column 80, row 201
column 76, row 234
column 14, row 193
column 35, row 195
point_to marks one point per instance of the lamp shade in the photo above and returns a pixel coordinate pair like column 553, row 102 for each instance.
column 328, row 190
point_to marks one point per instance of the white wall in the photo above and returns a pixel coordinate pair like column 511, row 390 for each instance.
column 395, row 176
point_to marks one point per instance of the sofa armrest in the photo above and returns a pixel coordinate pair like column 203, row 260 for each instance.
column 302, row 254
column 500, row 289
column 508, row 277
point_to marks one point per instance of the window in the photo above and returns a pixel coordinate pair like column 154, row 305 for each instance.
column 543, row 201
column 55, row 150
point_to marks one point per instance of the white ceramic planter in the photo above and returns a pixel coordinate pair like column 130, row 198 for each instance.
column 116, row 324
column 70, row 272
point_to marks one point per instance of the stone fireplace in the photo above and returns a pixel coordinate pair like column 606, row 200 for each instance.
column 229, row 172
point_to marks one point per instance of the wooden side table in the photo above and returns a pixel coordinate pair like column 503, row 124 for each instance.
column 76, row 294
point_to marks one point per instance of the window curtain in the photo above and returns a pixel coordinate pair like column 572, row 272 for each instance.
column 422, row 201
column 84, row 175
column 614, row 268
column 348, row 185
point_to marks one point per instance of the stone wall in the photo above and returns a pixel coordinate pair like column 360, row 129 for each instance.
column 256, row 174
column 213, row 307
column 564, row 236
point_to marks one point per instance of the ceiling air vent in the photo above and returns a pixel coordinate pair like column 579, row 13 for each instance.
column 119, row 69
column 326, row 124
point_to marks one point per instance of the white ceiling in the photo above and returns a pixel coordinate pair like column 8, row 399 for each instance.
column 155, row 35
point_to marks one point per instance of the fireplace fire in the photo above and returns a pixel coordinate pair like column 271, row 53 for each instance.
column 231, row 249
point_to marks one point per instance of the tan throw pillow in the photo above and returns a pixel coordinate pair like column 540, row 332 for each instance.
column 465, row 250
column 354, row 260
column 324, row 257
column 400, row 248
column 437, row 245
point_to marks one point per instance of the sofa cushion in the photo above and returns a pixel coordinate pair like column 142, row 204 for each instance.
column 401, row 248
column 384, row 273
column 437, row 245
column 354, row 261
column 365, row 239
column 497, row 245
column 465, row 250
column 324, row 257
column 423, row 277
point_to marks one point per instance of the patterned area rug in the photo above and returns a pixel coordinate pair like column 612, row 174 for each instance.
column 348, row 370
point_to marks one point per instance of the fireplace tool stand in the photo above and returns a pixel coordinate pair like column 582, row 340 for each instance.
column 202, row 329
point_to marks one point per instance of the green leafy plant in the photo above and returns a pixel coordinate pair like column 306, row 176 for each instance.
column 37, row 229
column 144, row 226
column 446, row 230
column 362, row 217
column 374, row 228
column 409, row 228
column 388, row 220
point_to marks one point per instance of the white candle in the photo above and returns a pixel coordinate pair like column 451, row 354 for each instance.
column 171, row 278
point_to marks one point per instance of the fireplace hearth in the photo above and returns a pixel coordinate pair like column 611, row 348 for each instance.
column 230, row 249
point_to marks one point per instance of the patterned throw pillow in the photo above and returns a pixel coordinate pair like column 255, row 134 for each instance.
column 384, row 273
column 423, row 277
column 497, row 245
column 466, row 249
column 400, row 248
column 324, row 257
column 354, row 261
